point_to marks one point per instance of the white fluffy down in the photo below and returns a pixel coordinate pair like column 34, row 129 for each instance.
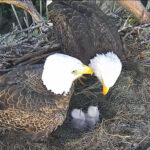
column 78, row 114
column 78, row 119
column 81, row 120
column 107, row 68
column 92, row 116
column 57, row 74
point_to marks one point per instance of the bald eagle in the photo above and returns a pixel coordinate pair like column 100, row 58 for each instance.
column 86, row 33
column 35, row 99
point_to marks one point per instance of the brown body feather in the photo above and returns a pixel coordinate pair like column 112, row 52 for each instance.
column 26, row 105
column 84, row 30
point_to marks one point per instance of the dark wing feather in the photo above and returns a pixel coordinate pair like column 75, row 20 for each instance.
column 84, row 30
column 25, row 104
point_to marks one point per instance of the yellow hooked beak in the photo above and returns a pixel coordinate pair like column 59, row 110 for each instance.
column 85, row 70
column 105, row 90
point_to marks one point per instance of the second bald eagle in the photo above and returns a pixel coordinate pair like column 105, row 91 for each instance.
column 86, row 33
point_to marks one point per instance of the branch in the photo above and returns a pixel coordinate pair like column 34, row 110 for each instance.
column 33, row 57
column 13, row 8
column 137, row 9
column 15, row 43
column 28, row 6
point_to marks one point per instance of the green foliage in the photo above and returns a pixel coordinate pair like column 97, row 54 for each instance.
column 133, row 21
column 131, row 18
column 35, row 32
column 10, row 39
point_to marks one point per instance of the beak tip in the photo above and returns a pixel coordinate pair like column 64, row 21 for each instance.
column 105, row 93
column 105, row 90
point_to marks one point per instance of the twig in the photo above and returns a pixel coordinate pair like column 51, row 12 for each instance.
column 127, row 34
column 125, row 25
column 7, row 56
column 2, row 144
column 143, row 26
column 2, row 71
column 113, row 135
column 116, row 135
column 129, row 85
column 13, row 8
column 46, row 9
column 124, row 28
column 41, row 7
column 39, row 43
column 8, row 34
column 33, row 60
column 35, row 54
column 144, row 138
column 146, row 102
column 26, row 19
column 15, row 43
column 24, row 30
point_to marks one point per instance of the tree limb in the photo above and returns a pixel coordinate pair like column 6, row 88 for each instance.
column 137, row 9
column 26, row 5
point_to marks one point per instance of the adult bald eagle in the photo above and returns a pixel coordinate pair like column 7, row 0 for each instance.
column 36, row 100
column 86, row 33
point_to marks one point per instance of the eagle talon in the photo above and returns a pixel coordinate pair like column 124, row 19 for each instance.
column 83, row 77
column 80, row 80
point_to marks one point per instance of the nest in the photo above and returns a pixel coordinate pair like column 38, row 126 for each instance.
column 125, row 111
